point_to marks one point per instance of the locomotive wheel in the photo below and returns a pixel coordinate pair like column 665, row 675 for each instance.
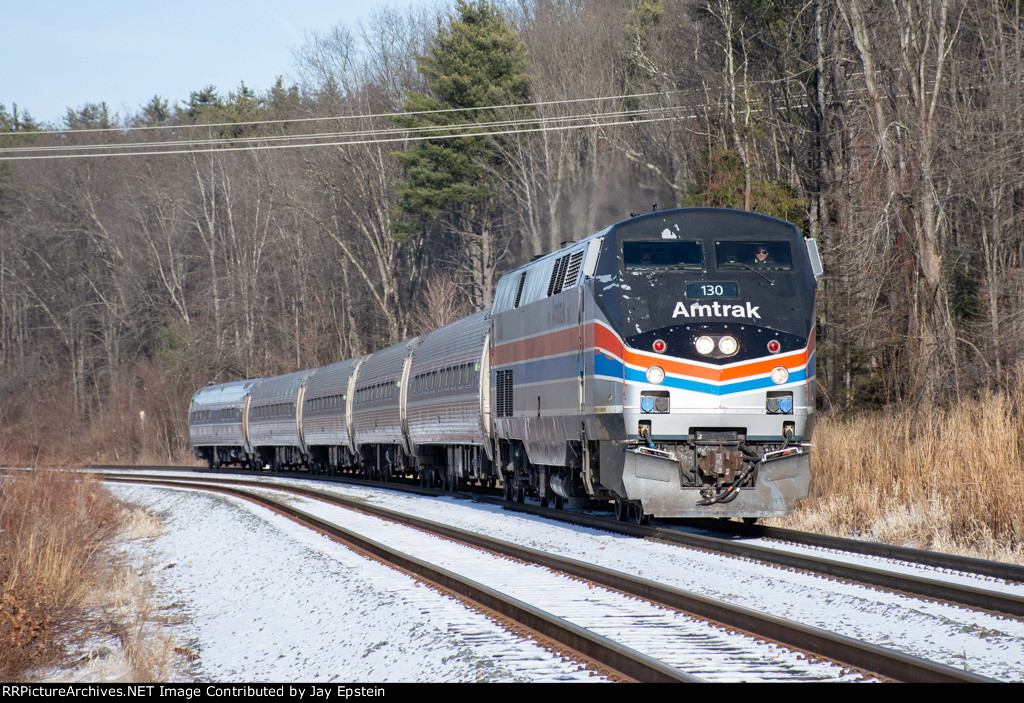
column 631, row 511
column 636, row 514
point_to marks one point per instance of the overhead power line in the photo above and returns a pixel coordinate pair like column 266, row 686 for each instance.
column 382, row 131
column 347, row 142
column 348, row 138
column 330, row 118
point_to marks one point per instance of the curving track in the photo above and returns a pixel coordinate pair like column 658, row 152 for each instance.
column 849, row 651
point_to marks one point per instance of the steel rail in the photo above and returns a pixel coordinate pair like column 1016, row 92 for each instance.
column 617, row 658
column 969, row 596
column 844, row 650
column 921, row 586
column 938, row 560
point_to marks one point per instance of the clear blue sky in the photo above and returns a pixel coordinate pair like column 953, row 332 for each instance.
column 60, row 54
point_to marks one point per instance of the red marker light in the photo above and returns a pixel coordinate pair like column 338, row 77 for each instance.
column 774, row 346
column 659, row 346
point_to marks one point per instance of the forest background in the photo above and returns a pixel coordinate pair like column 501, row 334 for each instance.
column 240, row 234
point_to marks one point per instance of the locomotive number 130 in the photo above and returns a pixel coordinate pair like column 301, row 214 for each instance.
column 712, row 290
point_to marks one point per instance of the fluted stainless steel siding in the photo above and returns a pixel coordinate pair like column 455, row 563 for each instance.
column 325, row 405
column 444, row 399
column 216, row 399
column 376, row 407
column 278, row 430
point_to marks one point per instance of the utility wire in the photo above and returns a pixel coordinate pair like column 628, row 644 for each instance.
column 322, row 135
column 347, row 142
column 368, row 136
column 338, row 117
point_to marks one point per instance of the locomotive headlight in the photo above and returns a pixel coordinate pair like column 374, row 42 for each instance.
column 728, row 345
column 705, row 345
column 780, row 374
column 655, row 375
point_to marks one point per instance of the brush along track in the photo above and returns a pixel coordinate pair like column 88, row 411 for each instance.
column 847, row 651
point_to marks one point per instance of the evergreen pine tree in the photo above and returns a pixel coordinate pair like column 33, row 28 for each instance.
column 475, row 64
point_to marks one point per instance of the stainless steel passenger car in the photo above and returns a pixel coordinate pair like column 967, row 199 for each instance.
column 327, row 416
column 447, row 402
column 378, row 411
column 275, row 420
column 218, row 427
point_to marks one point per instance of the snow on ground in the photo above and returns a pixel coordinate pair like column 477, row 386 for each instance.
column 372, row 624
column 979, row 642
column 267, row 600
column 689, row 644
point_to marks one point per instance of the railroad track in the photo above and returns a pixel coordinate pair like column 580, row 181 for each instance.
column 611, row 655
column 987, row 599
column 919, row 586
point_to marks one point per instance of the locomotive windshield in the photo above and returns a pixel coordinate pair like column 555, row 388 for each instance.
column 669, row 274
column 766, row 256
column 645, row 256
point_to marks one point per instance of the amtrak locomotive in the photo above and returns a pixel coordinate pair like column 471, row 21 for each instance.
column 664, row 365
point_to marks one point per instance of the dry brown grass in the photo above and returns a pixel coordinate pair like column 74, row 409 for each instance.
column 63, row 592
column 147, row 650
column 54, row 530
column 945, row 479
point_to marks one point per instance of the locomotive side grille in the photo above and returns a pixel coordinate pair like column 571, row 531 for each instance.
column 558, row 274
column 499, row 394
column 573, row 272
column 503, row 393
column 554, row 277
column 519, row 290
column 508, row 393
column 563, row 264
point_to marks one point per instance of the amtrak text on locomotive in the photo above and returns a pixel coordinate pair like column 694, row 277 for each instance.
column 716, row 309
